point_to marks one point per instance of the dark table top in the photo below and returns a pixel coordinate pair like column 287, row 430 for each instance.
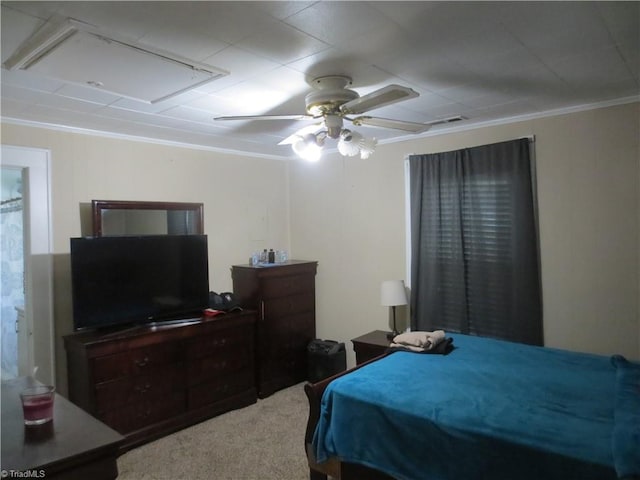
column 72, row 435
column 377, row 337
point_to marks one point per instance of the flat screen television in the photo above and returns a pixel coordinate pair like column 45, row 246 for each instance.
column 128, row 280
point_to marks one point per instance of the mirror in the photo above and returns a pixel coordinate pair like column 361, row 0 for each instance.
column 113, row 217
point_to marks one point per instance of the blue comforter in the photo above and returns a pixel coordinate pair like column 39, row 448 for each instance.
column 489, row 410
column 626, row 428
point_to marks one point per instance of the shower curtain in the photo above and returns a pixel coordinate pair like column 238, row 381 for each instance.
column 12, row 285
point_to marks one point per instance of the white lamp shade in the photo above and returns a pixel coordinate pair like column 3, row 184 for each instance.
column 367, row 146
column 348, row 145
column 307, row 148
column 393, row 293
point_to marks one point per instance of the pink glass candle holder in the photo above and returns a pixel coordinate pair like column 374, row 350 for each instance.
column 37, row 404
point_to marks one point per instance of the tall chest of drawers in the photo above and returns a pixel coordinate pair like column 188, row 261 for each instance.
column 284, row 297
column 149, row 381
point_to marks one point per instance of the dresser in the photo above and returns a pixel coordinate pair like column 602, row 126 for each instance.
column 284, row 297
column 151, row 380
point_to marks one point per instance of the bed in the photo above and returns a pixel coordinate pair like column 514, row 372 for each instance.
column 490, row 409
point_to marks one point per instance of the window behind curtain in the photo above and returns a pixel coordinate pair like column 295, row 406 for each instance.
column 474, row 244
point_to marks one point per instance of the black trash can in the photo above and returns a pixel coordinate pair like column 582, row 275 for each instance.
column 325, row 358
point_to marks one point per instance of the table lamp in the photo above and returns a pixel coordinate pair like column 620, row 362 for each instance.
column 393, row 294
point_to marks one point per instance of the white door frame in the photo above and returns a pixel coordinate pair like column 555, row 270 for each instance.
column 35, row 164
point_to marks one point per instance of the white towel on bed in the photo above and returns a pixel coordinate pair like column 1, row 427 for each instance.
column 418, row 341
column 408, row 347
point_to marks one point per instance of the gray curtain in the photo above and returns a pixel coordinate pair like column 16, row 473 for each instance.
column 474, row 247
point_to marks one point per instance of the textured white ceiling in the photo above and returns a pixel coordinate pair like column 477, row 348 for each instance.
column 487, row 61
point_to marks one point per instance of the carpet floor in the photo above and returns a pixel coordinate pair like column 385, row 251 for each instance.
column 262, row 441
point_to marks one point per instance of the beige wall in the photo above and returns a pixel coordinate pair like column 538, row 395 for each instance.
column 245, row 200
column 349, row 214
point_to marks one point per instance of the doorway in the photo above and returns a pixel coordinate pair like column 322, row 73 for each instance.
column 12, row 269
column 32, row 324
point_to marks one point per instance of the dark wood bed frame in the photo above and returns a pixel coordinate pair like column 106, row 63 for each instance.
column 333, row 468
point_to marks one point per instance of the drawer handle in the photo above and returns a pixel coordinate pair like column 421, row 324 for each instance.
column 142, row 388
column 219, row 342
column 143, row 362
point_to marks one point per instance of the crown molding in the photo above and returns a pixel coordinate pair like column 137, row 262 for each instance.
column 430, row 133
column 518, row 118
column 136, row 138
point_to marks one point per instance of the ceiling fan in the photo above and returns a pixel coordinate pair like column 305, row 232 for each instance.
column 333, row 103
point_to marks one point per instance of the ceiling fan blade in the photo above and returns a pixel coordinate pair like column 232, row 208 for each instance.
column 412, row 127
column 302, row 132
column 300, row 116
column 378, row 98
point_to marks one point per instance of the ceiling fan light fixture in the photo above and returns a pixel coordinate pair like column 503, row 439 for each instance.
column 308, row 147
column 367, row 147
column 353, row 143
column 348, row 143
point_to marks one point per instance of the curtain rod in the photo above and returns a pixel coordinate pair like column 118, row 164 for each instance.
column 531, row 138
column 5, row 202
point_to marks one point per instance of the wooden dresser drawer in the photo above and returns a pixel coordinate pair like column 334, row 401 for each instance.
column 220, row 364
column 163, row 381
column 286, row 345
column 220, row 388
column 283, row 306
column 144, row 413
column 236, row 338
column 134, row 362
column 300, row 326
column 288, row 285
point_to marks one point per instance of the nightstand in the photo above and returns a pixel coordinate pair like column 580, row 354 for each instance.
column 370, row 345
